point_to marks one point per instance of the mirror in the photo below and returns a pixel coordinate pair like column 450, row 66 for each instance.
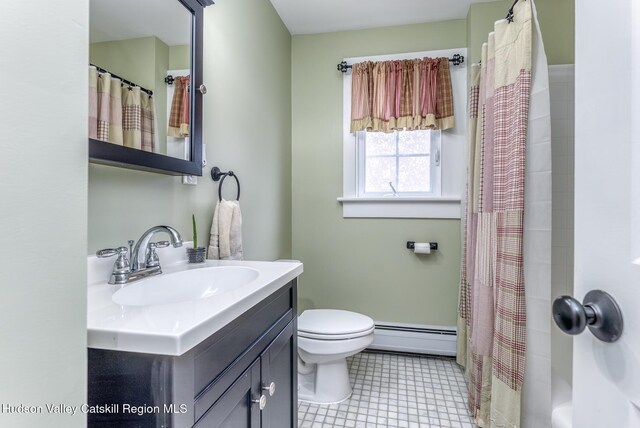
column 145, row 59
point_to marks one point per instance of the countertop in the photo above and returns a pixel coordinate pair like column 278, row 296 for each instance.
column 173, row 329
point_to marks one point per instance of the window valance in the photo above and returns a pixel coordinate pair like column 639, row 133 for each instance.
column 403, row 94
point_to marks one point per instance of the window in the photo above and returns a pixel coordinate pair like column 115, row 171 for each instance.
column 427, row 169
column 402, row 163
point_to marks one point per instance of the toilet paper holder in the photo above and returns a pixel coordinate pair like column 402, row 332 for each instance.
column 411, row 245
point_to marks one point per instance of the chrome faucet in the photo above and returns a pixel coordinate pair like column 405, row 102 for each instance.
column 123, row 272
column 143, row 242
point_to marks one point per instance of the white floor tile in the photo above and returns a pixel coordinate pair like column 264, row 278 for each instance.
column 396, row 391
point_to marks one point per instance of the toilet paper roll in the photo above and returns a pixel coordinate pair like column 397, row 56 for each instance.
column 422, row 248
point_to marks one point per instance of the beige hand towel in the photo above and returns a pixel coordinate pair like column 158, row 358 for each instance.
column 235, row 233
column 226, row 232
column 213, row 252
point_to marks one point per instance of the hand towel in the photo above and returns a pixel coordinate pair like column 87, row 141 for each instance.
column 235, row 233
column 226, row 232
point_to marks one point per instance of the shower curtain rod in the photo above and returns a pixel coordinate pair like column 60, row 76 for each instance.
column 128, row 82
column 456, row 59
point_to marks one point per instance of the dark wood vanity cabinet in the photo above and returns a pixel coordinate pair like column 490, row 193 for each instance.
column 217, row 384
column 239, row 406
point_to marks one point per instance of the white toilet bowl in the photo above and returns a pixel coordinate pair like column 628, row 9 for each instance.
column 326, row 337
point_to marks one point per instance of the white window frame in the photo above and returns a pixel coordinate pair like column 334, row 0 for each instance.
column 453, row 156
column 434, row 169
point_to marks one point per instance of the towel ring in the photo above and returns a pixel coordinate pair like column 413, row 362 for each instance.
column 218, row 175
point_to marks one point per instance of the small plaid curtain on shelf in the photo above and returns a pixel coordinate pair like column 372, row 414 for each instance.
column 404, row 94
column 119, row 113
column 491, row 313
column 179, row 115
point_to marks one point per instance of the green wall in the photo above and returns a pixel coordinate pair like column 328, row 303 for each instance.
column 362, row 264
column 556, row 24
column 179, row 57
column 160, row 92
column 43, row 188
column 247, row 128
column 132, row 59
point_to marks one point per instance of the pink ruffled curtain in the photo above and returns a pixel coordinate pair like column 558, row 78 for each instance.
column 404, row 94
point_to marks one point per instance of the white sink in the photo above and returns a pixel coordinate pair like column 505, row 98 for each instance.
column 169, row 314
column 184, row 286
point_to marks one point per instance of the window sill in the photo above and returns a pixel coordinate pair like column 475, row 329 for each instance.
column 401, row 207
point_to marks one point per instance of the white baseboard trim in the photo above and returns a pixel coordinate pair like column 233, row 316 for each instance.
column 415, row 338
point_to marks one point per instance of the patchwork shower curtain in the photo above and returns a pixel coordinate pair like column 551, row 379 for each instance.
column 492, row 306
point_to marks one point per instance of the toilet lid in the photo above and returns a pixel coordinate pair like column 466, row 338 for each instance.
column 333, row 323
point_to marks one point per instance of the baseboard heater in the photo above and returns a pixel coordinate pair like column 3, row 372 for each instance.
column 419, row 339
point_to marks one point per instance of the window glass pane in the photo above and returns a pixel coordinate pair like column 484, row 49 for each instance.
column 379, row 172
column 414, row 142
column 414, row 175
column 380, row 143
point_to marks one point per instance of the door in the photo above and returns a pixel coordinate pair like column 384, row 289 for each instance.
column 606, row 376
column 279, row 375
column 239, row 407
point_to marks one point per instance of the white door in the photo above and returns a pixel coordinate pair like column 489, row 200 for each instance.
column 606, row 376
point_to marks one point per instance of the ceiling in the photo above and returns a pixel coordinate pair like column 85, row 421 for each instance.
column 324, row 16
column 111, row 20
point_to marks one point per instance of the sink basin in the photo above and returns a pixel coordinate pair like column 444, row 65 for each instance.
column 184, row 286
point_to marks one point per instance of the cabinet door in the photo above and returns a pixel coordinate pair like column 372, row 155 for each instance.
column 279, row 372
column 236, row 409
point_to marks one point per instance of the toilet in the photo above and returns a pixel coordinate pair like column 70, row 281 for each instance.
column 326, row 337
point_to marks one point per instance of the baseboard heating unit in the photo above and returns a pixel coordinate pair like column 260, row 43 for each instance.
column 415, row 338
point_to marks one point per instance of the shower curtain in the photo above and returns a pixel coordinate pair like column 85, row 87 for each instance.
column 492, row 317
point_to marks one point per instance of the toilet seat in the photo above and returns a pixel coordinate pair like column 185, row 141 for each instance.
column 346, row 336
column 333, row 324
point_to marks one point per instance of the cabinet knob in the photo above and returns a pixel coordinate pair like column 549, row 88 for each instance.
column 261, row 402
column 202, row 89
column 271, row 388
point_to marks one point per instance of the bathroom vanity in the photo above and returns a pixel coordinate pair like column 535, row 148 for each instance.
column 224, row 359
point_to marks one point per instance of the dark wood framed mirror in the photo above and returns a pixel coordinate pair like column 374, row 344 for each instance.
column 158, row 160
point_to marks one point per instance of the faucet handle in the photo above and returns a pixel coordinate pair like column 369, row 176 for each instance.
column 121, row 268
column 152, row 257
column 110, row 252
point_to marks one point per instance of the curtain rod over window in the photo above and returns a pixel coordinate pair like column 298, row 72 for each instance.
column 124, row 81
column 456, row 59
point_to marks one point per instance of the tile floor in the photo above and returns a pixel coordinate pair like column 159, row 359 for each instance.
column 396, row 391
